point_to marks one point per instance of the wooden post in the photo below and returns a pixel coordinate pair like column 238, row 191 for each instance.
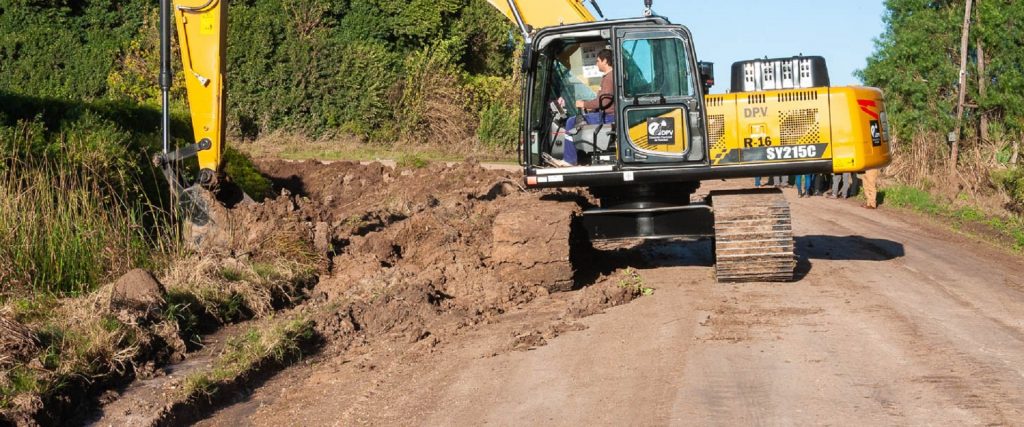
column 982, row 77
column 964, row 37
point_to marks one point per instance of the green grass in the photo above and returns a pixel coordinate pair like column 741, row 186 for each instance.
column 908, row 197
column 63, row 233
column 232, row 274
column 275, row 343
column 243, row 172
column 413, row 161
column 20, row 380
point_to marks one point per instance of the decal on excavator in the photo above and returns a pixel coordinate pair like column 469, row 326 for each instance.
column 661, row 130
column 865, row 103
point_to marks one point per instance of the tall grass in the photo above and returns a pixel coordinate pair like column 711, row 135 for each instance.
column 63, row 231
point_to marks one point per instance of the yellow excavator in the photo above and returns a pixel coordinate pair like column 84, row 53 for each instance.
column 644, row 151
column 657, row 134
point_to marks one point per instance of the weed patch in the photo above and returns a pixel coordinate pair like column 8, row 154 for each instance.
column 412, row 161
column 631, row 281
column 1009, row 229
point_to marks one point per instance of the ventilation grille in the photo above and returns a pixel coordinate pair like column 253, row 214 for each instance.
column 716, row 131
column 798, row 96
column 715, row 101
column 756, row 99
column 799, row 127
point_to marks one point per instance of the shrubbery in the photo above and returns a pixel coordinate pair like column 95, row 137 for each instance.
column 79, row 110
column 375, row 68
column 917, row 63
column 1012, row 181
column 386, row 70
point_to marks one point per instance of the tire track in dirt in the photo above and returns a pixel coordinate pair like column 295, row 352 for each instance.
column 935, row 334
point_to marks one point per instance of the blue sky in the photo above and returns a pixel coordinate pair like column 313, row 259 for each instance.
column 726, row 31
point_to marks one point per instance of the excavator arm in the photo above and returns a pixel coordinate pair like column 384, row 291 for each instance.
column 538, row 14
column 201, row 27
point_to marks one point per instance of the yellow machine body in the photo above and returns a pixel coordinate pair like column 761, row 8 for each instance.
column 845, row 124
column 545, row 13
column 202, row 27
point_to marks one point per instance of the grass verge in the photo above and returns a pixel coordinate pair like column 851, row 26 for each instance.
column 1007, row 231
column 87, row 344
column 62, row 231
column 244, row 354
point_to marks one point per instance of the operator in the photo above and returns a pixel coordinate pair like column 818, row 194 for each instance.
column 604, row 64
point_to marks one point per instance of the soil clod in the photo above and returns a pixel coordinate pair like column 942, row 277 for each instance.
column 138, row 289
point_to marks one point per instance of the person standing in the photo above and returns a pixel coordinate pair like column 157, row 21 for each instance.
column 871, row 188
column 846, row 180
column 803, row 185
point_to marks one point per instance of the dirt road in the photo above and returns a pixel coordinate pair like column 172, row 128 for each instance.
column 895, row 321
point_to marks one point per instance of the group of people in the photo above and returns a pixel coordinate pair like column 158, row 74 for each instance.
column 834, row 186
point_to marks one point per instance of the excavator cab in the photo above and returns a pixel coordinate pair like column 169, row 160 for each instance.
column 655, row 115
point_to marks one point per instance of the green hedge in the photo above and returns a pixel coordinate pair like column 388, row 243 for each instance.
column 314, row 66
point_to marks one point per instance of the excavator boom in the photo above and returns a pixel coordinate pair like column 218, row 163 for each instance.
column 201, row 36
column 201, row 27
column 544, row 13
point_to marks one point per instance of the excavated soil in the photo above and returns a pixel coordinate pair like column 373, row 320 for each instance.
column 894, row 321
column 410, row 257
column 414, row 255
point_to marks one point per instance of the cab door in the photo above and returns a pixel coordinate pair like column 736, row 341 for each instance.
column 659, row 98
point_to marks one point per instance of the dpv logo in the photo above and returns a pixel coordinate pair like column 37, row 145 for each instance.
column 753, row 113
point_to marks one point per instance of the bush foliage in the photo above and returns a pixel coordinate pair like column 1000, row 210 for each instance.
column 374, row 68
column 79, row 107
column 917, row 63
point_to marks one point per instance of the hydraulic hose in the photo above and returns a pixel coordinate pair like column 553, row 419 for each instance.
column 165, row 74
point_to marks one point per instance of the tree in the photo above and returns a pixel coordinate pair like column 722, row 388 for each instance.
column 916, row 63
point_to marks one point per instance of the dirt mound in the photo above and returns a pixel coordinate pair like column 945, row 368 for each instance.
column 138, row 289
column 322, row 206
column 410, row 257
column 408, row 253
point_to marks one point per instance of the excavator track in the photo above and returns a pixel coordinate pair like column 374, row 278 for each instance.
column 753, row 236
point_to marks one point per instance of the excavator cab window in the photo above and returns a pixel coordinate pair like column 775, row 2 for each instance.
column 656, row 68
column 659, row 91
column 563, row 135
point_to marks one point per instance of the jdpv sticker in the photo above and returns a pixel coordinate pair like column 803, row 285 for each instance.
column 661, row 130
